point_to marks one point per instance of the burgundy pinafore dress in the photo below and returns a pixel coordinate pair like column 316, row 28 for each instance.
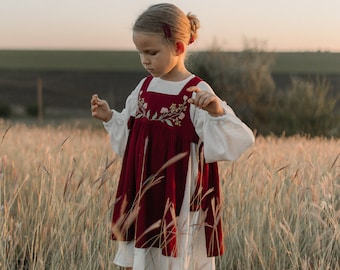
column 150, row 191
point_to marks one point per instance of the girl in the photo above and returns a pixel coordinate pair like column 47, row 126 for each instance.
column 172, row 132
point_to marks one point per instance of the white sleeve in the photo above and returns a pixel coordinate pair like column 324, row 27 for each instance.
column 117, row 127
column 224, row 137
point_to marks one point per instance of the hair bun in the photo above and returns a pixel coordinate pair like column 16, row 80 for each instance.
column 194, row 26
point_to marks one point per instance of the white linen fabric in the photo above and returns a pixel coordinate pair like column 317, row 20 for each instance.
column 225, row 137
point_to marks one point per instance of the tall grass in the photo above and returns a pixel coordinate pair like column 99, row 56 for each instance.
column 57, row 185
column 282, row 205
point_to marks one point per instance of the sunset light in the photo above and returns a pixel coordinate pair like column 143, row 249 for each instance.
column 276, row 25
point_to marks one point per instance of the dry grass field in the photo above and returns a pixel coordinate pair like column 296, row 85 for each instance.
column 57, row 185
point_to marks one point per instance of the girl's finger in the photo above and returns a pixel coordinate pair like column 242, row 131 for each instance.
column 193, row 89
column 94, row 99
column 201, row 98
column 94, row 108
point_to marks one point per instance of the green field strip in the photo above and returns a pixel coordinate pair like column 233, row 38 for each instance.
column 31, row 60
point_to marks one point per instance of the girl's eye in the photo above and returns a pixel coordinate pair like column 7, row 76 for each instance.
column 148, row 53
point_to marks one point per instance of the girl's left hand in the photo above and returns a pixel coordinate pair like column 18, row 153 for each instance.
column 206, row 101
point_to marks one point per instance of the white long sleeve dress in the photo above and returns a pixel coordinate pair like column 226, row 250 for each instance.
column 224, row 137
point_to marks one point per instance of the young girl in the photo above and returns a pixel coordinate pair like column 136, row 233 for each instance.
column 172, row 132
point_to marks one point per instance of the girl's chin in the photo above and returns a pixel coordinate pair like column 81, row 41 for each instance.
column 153, row 74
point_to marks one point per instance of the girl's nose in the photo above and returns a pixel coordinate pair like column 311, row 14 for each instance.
column 145, row 60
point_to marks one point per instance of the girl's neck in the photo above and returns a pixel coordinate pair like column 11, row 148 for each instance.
column 177, row 74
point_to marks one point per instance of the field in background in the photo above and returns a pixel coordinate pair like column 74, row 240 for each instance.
column 71, row 77
column 57, row 186
column 128, row 61
column 22, row 60
column 322, row 63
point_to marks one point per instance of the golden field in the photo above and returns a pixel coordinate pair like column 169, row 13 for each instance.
column 57, row 186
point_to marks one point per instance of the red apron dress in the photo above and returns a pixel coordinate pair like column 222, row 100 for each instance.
column 149, row 199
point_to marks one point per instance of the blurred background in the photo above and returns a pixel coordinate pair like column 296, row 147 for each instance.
column 276, row 64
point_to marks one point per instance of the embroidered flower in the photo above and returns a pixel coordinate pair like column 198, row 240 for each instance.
column 171, row 116
column 164, row 110
column 173, row 107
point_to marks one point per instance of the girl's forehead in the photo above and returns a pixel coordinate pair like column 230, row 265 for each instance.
column 147, row 39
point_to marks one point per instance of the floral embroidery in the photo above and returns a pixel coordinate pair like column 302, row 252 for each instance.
column 171, row 116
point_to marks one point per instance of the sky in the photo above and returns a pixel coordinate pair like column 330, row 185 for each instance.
column 272, row 25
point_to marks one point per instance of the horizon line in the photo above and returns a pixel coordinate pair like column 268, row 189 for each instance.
column 133, row 50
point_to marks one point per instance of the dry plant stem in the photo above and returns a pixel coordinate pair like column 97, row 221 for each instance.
column 281, row 207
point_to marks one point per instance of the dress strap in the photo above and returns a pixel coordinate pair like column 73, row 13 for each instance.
column 146, row 83
column 144, row 87
column 193, row 82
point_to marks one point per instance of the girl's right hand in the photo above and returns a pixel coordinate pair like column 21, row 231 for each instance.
column 100, row 108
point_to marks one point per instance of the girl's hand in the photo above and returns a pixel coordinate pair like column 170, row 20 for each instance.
column 100, row 108
column 206, row 101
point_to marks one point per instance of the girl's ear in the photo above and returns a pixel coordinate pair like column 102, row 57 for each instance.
column 179, row 48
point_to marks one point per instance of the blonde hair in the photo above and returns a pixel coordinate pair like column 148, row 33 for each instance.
column 171, row 22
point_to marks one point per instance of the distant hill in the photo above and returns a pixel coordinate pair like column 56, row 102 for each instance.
column 30, row 60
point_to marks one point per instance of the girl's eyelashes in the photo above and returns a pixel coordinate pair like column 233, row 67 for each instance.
column 148, row 52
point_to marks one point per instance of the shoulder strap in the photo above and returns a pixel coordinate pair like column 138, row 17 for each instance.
column 146, row 83
column 193, row 82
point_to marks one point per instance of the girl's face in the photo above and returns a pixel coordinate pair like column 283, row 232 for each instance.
column 157, row 57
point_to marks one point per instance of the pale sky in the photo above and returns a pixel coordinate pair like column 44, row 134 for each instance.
column 285, row 25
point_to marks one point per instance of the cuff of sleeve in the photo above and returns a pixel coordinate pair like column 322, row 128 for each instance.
column 108, row 124
column 219, row 117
